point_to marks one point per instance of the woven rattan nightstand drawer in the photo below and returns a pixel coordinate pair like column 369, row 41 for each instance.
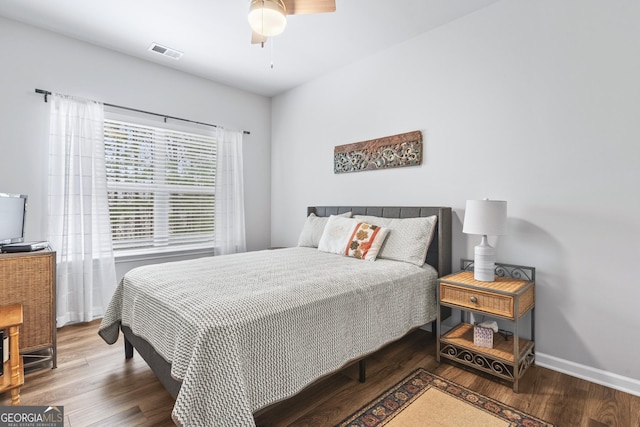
column 483, row 301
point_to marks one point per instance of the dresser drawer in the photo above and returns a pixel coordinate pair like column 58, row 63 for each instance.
column 501, row 305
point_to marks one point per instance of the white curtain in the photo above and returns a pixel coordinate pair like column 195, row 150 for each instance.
column 229, row 213
column 79, row 229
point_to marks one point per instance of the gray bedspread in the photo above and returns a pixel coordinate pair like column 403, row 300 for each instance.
column 244, row 331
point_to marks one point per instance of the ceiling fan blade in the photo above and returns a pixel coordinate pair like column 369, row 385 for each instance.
column 257, row 38
column 298, row 7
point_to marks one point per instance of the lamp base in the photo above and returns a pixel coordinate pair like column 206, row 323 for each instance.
column 484, row 263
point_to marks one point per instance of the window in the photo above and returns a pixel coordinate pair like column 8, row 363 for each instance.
column 161, row 188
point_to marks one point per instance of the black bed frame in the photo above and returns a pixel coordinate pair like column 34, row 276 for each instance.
column 438, row 256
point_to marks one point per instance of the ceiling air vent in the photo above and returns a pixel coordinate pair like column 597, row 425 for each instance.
column 165, row 51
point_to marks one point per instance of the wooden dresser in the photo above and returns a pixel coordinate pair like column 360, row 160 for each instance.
column 28, row 278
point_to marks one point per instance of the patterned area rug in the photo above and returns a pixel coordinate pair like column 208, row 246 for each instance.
column 424, row 399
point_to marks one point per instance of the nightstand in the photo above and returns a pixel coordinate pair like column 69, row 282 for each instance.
column 509, row 297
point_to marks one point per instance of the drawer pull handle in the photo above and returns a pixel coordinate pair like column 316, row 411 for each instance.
column 474, row 299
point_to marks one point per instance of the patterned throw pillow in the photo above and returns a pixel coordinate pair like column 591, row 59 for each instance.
column 366, row 241
column 347, row 236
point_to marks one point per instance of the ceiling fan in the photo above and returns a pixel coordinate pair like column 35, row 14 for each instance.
column 267, row 18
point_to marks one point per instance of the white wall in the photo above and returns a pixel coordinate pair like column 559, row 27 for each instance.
column 34, row 58
column 536, row 103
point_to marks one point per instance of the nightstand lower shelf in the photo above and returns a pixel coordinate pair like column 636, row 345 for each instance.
column 457, row 345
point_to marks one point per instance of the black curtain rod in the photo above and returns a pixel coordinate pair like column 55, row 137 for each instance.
column 46, row 93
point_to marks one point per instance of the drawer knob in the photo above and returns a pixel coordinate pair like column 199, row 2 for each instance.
column 474, row 299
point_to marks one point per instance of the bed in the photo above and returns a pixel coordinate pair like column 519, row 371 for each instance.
column 233, row 334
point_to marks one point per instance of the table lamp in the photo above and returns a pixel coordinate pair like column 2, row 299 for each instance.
column 486, row 218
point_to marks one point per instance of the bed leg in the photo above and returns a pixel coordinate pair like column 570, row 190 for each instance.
column 128, row 349
column 434, row 330
column 361, row 371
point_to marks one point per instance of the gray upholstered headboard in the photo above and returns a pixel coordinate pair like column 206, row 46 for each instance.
column 439, row 254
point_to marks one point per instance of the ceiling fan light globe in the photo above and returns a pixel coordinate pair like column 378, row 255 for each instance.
column 267, row 17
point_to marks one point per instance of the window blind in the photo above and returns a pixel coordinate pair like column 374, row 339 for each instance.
column 161, row 188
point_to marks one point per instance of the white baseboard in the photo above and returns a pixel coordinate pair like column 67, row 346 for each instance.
column 598, row 376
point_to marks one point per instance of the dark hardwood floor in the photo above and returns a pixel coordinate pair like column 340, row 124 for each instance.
column 97, row 386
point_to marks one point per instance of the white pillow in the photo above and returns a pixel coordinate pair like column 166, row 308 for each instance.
column 347, row 236
column 409, row 238
column 313, row 228
column 336, row 234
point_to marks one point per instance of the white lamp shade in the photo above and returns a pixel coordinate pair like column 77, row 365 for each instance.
column 485, row 217
column 267, row 17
